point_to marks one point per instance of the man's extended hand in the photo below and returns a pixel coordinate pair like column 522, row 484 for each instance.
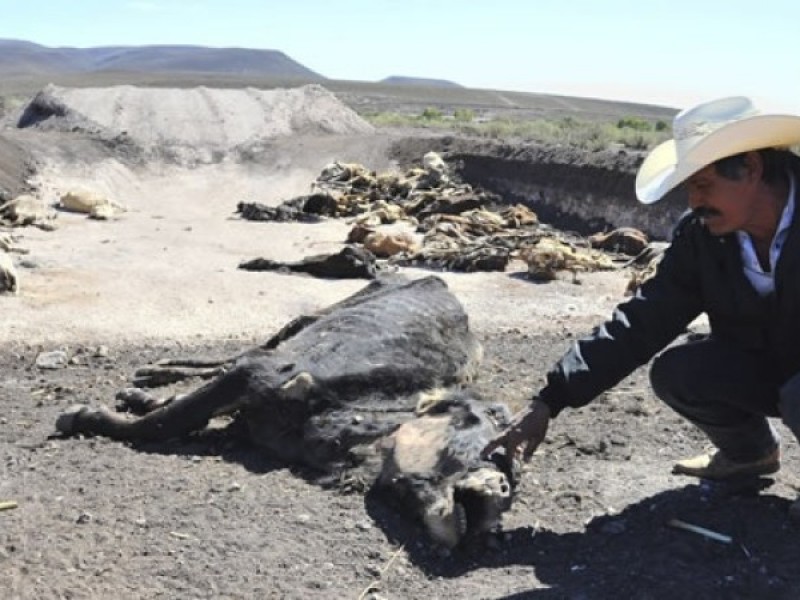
column 527, row 430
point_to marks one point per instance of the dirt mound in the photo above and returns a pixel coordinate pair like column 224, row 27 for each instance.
column 15, row 167
column 198, row 125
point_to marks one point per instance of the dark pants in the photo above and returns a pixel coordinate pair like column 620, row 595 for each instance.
column 728, row 393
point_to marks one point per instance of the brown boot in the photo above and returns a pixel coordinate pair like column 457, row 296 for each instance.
column 717, row 466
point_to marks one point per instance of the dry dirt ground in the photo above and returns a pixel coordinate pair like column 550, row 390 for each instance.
column 211, row 517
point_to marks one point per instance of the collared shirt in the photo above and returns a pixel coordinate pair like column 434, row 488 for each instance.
column 764, row 281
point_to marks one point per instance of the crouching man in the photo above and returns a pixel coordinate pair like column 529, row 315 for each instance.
column 735, row 256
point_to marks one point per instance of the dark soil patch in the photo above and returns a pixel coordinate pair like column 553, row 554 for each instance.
column 210, row 516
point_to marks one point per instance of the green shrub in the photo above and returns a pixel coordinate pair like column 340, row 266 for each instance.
column 431, row 114
column 390, row 120
column 569, row 122
column 464, row 115
column 636, row 123
column 570, row 131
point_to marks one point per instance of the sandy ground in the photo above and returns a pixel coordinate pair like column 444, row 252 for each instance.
column 167, row 267
column 211, row 517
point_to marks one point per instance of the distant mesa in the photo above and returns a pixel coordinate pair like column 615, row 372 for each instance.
column 420, row 81
column 18, row 57
column 199, row 59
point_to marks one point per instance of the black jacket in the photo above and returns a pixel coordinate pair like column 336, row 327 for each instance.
column 698, row 273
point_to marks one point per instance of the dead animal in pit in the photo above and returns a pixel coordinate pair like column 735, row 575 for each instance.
column 9, row 281
column 351, row 262
column 384, row 245
column 644, row 266
column 548, row 256
column 345, row 391
column 90, row 202
column 25, row 210
column 625, row 240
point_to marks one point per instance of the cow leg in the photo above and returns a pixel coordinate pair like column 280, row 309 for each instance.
column 138, row 402
column 181, row 416
column 173, row 370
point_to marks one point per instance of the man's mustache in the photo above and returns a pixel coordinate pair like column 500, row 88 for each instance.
column 703, row 212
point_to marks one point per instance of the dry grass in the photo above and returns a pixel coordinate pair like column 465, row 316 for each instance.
column 581, row 133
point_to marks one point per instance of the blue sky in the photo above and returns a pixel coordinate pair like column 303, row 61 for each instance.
column 674, row 52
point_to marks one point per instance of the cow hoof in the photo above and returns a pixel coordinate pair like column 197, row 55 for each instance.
column 136, row 401
column 67, row 420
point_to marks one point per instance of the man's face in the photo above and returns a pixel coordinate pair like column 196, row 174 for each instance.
column 725, row 205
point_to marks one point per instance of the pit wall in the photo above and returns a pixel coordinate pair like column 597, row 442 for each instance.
column 580, row 191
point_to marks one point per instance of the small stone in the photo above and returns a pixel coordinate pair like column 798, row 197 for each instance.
column 83, row 518
column 56, row 359
column 319, row 585
column 29, row 263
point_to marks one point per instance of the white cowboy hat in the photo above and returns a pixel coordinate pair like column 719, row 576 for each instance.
column 707, row 133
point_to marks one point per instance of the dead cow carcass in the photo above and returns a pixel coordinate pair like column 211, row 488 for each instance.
column 9, row 282
column 346, row 390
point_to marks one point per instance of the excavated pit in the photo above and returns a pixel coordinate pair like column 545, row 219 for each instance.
column 570, row 189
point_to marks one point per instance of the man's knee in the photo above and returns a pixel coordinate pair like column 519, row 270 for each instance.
column 666, row 373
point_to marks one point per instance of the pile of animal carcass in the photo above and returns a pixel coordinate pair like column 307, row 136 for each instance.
column 451, row 226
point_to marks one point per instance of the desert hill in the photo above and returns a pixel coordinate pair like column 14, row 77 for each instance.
column 26, row 67
column 23, row 57
column 423, row 81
